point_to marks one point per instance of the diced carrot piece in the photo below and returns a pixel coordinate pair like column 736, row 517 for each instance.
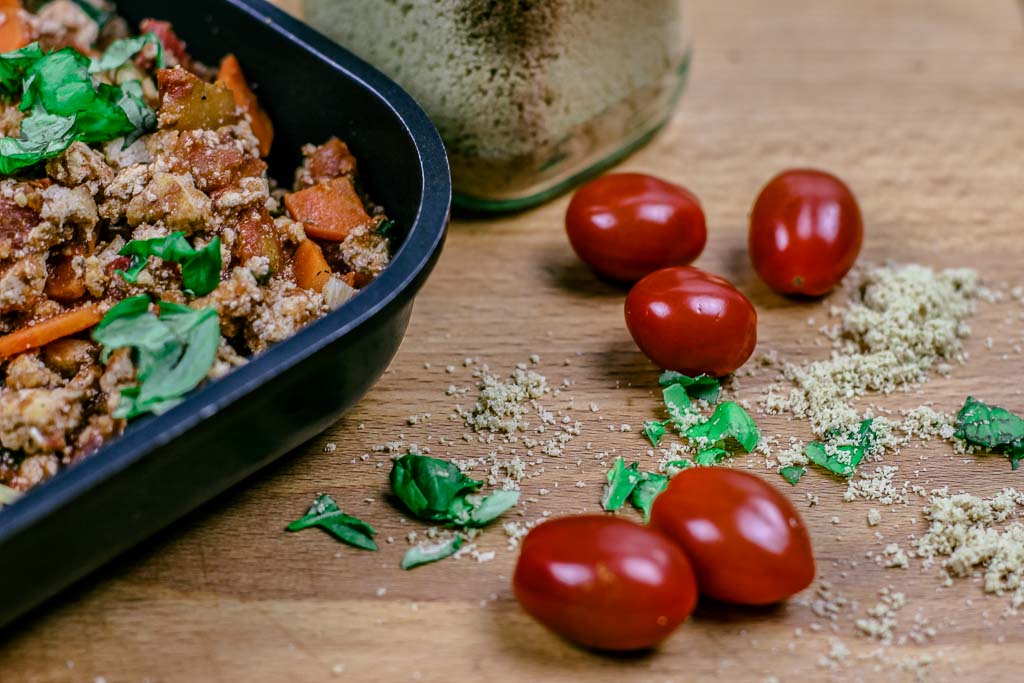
column 356, row 280
column 13, row 31
column 328, row 211
column 63, row 284
column 49, row 330
column 231, row 76
column 310, row 267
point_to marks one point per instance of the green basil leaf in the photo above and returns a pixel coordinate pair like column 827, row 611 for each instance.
column 654, row 430
column 792, row 473
column 385, row 228
column 429, row 486
column 141, row 117
column 702, row 387
column 43, row 136
column 728, row 420
column 13, row 66
column 120, row 51
column 678, row 464
column 843, row 459
column 992, row 428
column 710, row 456
column 425, row 554
column 326, row 514
column 490, row 508
column 646, row 491
column 621, row 482
column 8, row 495
column 200, row 270
column 677, row 401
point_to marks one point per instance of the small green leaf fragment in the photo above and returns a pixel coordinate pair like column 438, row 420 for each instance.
column 621, row 482
column 428, row 487
column 489, row 508
column 992, row 428
column 326, row 514
column 200, row 269
column 678, row 464
column 710, row 456
column 646, row 491
column 728, row 420
column 425, row 554
column 703, row 387
column 677, row 402
column 654, row 430
column 120, row 51
column 792, row 473
column 843, row 459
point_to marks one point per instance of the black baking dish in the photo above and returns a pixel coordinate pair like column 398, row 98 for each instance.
column 164, row 466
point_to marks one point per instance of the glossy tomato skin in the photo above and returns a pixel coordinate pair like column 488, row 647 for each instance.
column 626, row 225
column 745, row 540
column 604, row 582
column 805, row 232
column 691, row 321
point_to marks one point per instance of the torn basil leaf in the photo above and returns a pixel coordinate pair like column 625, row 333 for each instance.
column 120, row 51
column 654, row 430
column 678, row 464
column 649, row 487
column 677, row 402
column 703, row 387
column 992, row 428
column 172, row 351
column 42, row 136
column 200, row 269
column 326, row 514
column 792, row 473
column 385, row 228
column 710, row 456
column 431, row 552
column 472, row 510
column 13, row 66
column 428, row 487
column 729, row 420
column 621, row 482
column 842, row 459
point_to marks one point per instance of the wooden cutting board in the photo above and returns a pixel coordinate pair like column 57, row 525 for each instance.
column 919, row 105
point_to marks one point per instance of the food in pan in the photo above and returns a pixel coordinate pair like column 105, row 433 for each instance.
column 143, row 248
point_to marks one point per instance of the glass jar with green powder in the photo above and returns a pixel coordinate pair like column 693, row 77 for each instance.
column 530, row 96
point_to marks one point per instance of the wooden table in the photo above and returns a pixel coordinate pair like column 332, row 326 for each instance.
column 919, row 105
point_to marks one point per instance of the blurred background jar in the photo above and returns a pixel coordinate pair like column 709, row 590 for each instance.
column 530, row 96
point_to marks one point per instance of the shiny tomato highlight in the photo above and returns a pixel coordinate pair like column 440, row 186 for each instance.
column 745, row 540
column 691, row 321
column 604, row 582
column 805, row 232
column 626, row 225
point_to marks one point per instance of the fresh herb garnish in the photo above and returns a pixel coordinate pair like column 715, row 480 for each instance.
column 681, row 464
column 992, row 428
column 8, row 495
column 710, row 456
column 173, row 351
column 621, row 482
column 200, row 269
column 425, row 554
column 654, row 430
column 385, row 228
column 729, row 420
column 792, row 473
column 326, row 514
column 438, row 491
column 120, row 51
column 677, row 402
column 702, row 387
column 646, row 491
column 843, row 459
column 65, row 105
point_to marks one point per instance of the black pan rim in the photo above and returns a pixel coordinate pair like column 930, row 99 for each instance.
column 415, row 255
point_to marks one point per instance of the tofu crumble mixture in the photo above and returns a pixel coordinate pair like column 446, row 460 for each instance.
column 143, row 248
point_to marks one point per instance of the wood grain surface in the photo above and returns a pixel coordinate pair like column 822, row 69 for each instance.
column 919, row 105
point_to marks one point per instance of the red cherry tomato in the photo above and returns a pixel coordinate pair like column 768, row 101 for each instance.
column 745, row 540
column 626, row 225
column 688, row 320
column 604, row 582
column 805, row 232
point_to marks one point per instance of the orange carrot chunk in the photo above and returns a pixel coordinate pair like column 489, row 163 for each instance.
column 231, row 76
column 49, row 330
column 328, row 211
column 311, row 268
column 13, row 31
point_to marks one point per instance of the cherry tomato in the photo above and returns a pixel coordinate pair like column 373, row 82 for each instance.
column 626, row 225
column 689, row 320
column 745, row 540
column 805, row 232
column 604, row 582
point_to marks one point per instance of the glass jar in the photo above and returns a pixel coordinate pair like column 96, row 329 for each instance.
column 530, row 96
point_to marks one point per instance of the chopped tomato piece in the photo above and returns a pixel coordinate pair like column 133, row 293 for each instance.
column 331, row 160
column 257, row 237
